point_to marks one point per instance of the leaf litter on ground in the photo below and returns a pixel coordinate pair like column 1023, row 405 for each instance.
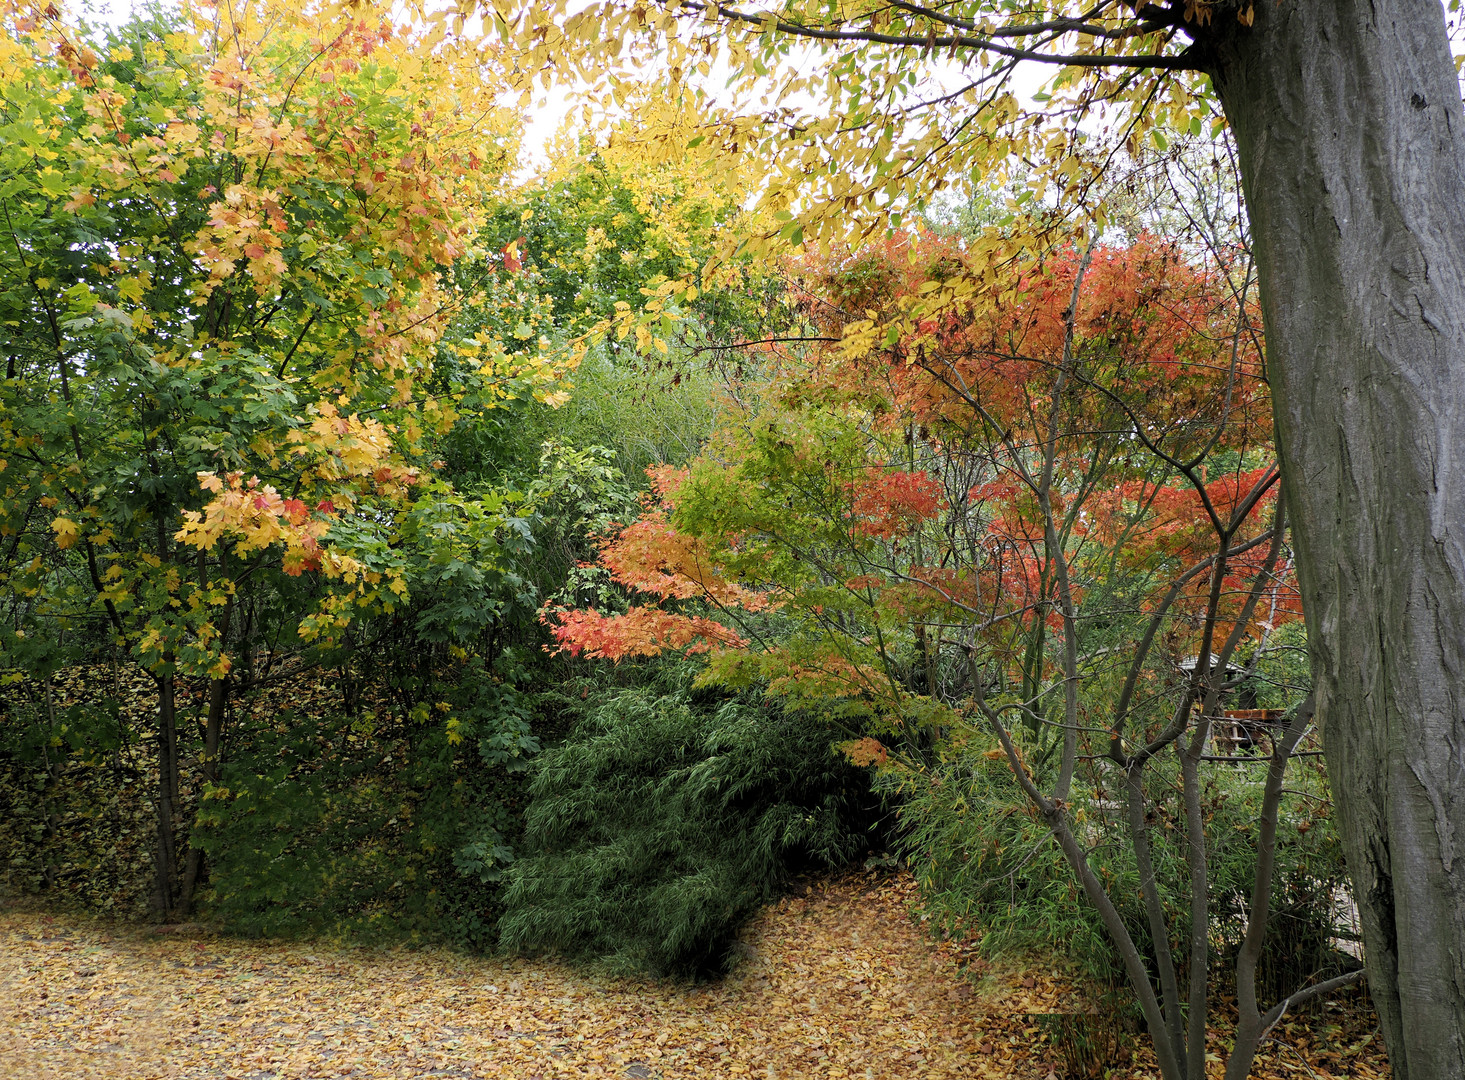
column 837, row 983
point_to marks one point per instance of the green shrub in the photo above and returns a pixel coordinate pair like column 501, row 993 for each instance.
column 659, row 827
column 986, row 863
column 356, row 826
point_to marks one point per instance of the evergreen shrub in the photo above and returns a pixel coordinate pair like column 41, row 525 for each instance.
column 660, row 826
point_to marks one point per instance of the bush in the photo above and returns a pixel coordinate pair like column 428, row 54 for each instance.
column 987, row 863
column 660, row 827
column 363, row 827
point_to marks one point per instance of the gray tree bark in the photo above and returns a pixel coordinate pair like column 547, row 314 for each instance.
column 1349, row 123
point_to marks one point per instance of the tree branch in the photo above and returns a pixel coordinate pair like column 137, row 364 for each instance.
column 952, row 41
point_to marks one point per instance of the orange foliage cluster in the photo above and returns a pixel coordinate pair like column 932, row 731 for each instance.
column 1154, row 345
column 887, row 503
column 866, row 751
column 1155, row 364
column 641, row 631
column 651, row 556
column 1150, row 329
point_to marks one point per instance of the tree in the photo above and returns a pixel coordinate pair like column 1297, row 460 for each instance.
column 233, row 246
column 1003, row 518
column 1347, row 118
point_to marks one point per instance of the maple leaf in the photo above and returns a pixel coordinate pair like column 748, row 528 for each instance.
column 866, row 751
column 66, row 531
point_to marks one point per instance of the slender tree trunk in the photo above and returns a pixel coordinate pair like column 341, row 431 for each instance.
column 209, row 770
column 1139, row 838
column 209, row 762
column 1198, row 863
column 166, row 862
column 1251, row 1026
column 1348, row 120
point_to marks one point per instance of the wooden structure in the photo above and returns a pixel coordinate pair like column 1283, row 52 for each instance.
column 1246, row 731
column 1242, row 729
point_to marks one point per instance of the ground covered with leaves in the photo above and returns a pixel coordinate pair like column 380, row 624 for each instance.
column 837, row 982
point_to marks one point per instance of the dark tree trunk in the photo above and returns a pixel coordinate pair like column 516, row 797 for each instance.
column 166, row 858
column 209, row 774
column 1349, row 123
column 209, row 762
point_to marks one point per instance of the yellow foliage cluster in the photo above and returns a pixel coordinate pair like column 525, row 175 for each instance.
column 307, row 185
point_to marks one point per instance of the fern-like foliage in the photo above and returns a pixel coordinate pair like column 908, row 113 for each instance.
column 657, row 829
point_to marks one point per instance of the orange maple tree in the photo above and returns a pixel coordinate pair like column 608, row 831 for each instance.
column 971, row 480
column 1042, row 517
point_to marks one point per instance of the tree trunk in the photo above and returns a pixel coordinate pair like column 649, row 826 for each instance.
column 167, row 859
column 209, row 761
column 209, row 775
column 1348, row 120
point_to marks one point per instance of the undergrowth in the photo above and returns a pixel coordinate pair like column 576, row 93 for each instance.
column 988, row 866
column 661, row 825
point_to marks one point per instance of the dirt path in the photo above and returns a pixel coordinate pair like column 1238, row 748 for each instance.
column 837, row 984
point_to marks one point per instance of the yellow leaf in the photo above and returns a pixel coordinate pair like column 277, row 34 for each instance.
column 130, row 288
column 66, row 531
